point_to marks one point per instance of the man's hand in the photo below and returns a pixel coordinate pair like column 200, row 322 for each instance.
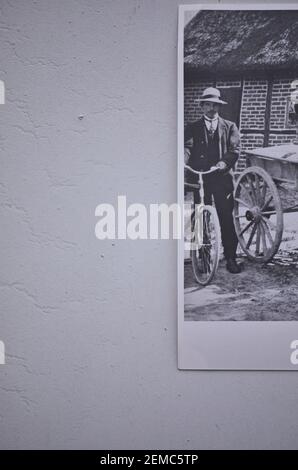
column 222, row 166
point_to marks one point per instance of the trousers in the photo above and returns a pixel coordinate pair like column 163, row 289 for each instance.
column 220, row 187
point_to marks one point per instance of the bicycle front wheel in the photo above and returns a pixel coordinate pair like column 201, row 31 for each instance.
column 206, row 245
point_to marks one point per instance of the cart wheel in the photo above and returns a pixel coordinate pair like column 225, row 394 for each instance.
column 258, row 215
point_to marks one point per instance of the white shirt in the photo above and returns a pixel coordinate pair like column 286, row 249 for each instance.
column 213, row 122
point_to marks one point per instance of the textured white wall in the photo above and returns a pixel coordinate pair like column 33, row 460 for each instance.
column 89, row 326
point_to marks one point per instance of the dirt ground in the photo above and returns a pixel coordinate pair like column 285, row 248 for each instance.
column 260, row 292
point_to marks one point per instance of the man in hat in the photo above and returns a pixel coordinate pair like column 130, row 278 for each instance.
column 214, row 141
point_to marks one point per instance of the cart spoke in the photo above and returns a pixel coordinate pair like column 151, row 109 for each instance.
column 267, row 203
column 252, row 189
column 245, row 193
column 268, row 212
column 263, row 194
column 251, row 235
column 270, row 224
column 240, row 201
column 267, row 231
column 258, row 190
column 246, row 185
column 246, row 228
column 258, row 240
column 263, row 236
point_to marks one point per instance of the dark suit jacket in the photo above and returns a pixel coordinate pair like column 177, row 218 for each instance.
column 195, row 138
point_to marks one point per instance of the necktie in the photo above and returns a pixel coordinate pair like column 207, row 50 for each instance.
column 211, row 130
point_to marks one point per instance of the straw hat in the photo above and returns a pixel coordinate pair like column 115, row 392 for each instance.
column 211, row 94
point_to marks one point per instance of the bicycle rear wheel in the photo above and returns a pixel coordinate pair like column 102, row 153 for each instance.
column 206, row 245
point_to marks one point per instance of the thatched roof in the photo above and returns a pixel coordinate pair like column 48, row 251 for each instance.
column 239, row 41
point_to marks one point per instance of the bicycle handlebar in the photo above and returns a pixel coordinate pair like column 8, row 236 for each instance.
column 212, row 170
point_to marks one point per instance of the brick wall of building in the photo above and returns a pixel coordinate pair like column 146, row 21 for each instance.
column 253, row 105
column 248, row 142
column 228, row 83
column 279, row 139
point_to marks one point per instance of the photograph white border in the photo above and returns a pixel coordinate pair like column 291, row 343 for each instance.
column 225, row 345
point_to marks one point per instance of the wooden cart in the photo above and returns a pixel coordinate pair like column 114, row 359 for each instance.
column 258, row 214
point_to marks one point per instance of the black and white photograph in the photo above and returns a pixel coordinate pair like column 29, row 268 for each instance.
column 239, row 72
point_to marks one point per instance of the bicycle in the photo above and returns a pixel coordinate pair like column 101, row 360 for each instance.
column 205, row 230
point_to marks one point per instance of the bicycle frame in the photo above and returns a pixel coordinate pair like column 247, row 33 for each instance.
column 204, row 251
column 199, row 208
